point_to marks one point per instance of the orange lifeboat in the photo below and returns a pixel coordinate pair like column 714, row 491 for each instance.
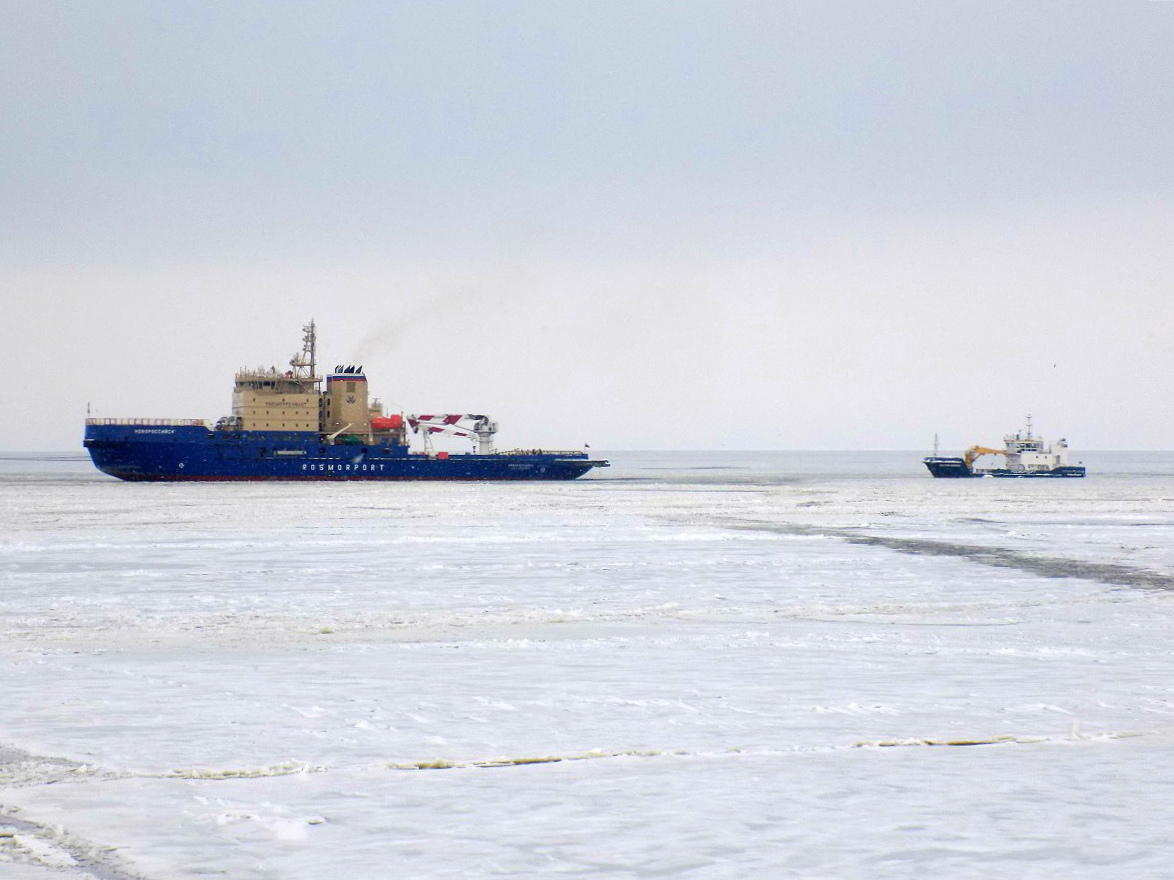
column 387, row 423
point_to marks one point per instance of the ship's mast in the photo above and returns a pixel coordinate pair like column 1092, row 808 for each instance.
column 306, row 361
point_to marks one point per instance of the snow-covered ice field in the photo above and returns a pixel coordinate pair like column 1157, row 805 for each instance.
column 723, row 665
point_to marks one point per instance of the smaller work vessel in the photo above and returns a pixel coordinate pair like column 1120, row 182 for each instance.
column 1024, row 455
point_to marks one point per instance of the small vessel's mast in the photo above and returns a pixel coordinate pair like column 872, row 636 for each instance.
column 1029, row 426
column 935, row 445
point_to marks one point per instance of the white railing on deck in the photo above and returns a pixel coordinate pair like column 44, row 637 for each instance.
column 541, row 452
column 167, row 422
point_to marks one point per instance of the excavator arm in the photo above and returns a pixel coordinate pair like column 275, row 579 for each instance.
column 975, row 451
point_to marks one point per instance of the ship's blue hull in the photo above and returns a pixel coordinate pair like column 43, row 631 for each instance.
column 954, row 468
column 948, row 467
column 192, row 452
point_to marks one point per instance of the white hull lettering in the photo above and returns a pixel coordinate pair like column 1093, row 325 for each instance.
column 344, row 467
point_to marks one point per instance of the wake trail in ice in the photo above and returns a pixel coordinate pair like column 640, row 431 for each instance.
column 26, row 842
column 1112, row 574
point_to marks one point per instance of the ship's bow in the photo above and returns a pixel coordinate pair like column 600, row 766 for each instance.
column 948, row 467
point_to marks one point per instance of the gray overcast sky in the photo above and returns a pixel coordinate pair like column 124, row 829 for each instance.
column 669, row 225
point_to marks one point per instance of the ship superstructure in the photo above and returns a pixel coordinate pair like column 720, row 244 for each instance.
column 266, row 400
column 295, row 424
column 1024, row 455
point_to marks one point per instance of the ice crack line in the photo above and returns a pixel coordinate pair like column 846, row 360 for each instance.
column 19, row 768
column 1048, row 566
column 599, row 754
column 285, row 768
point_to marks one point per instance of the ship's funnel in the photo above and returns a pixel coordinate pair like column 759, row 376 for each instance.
column 344, row 403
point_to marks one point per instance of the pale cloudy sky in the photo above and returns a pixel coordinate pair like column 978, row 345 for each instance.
column 662, row 225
